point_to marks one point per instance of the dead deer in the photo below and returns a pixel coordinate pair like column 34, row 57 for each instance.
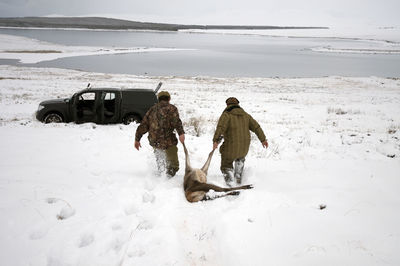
column 195, row 182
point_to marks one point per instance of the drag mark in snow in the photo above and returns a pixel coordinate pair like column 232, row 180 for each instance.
column 127, row 245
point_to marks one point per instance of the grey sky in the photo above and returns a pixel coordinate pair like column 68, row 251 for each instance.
column 261, row 12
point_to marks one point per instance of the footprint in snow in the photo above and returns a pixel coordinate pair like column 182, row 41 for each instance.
column 117, row 244
column 136, row 253
column 116, row 227
column 85, row 240
column 96, row 173
column 148, row 197
column 131, row 209
column 145, row 225
column 39, row 232
column 65, row 212
column 52, row 200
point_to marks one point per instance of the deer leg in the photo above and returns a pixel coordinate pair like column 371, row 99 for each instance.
column 197, row 186
column 187, row 161
column 207, row 164
column 231, row 193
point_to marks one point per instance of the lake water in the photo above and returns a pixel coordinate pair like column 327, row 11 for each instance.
column 215, row 55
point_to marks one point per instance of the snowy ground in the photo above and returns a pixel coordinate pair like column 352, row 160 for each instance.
column 82, row 195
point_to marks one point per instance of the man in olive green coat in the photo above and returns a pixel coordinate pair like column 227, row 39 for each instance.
column 233, row 126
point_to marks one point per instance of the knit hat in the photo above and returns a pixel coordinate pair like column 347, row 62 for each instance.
column 163, row 94
column 232, row 100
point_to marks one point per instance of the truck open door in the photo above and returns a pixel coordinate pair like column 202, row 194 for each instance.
column 84, row 107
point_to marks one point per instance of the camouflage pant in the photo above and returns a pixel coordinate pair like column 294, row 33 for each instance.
column 229, row 171
column 167, row 160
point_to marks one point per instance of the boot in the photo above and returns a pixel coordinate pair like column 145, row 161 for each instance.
column 228, row 176
column 171, row 172
column 239, row 165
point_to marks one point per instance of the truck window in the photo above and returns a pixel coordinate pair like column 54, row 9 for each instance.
column 86, row 102
column 109, row 96
column 88, row 96
column 108, row 103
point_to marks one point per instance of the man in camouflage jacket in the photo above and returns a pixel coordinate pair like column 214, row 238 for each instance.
column 160, row 122
column 233, row 126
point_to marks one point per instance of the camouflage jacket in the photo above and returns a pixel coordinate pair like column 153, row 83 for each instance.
column 234, row 127
column 160, row 121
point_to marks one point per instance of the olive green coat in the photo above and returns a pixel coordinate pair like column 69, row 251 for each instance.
column 233, row 126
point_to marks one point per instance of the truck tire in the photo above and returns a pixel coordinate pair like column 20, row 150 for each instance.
column 130, row 119
column 53, row 118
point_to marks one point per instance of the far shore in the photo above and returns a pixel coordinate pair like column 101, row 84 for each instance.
column 118, row 24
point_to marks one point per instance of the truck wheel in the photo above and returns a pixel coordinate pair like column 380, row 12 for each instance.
column 53, row 118
column 130, row 119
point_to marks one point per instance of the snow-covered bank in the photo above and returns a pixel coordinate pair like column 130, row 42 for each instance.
column 388, row 34
column 30, row 51
column 368, row 40
column 81, row 195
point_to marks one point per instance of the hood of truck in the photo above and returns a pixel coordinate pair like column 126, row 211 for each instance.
column 54, row 101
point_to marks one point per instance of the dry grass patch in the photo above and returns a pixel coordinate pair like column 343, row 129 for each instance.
column 33, row 51
column 195, row 124
column 340, row 111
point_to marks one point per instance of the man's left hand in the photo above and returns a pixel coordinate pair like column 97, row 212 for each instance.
column 265, row 144
column 137, row 144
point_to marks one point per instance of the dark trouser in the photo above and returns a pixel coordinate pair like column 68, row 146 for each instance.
column 229, row 171
column 167, row 160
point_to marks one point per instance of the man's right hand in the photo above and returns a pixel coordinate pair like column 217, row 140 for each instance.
column 137, row 144
column 215, row 145
column 182, row 138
